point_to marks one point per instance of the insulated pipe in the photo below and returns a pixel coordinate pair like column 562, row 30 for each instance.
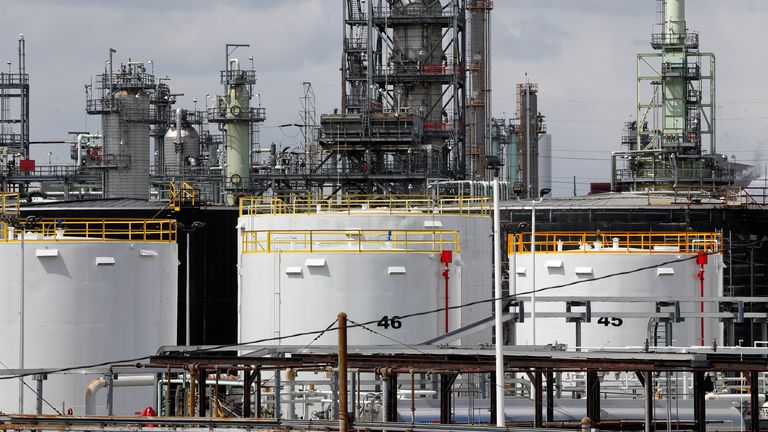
column 79, row 142
column 498, row 294
column 101, row 382
column 178, row 139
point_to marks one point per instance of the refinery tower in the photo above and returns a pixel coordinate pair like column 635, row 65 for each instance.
column 671, row 144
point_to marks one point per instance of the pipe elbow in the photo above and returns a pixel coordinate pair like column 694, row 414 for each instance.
column 95, row 385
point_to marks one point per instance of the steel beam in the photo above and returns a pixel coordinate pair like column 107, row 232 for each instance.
column 593, row 397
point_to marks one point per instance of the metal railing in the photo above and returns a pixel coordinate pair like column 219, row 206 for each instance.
column 9, row 202
column 349, row 241
column 183, row 194
column 377, row 204
column 92, row 230
column 618, row 242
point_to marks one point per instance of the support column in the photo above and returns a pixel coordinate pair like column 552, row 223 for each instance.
column 257, row 401
column 492, row 381
column 391, row 383
column 754, row 409
column 40, row 378
column 446, row 383
column 247, row 381
column 537, row 400
column 649, row 405
column 593, row 397
column 699, row 406
column 550, row 396
column 201, row 408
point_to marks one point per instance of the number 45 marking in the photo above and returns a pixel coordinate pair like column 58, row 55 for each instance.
column 616, row 322
column 388, row 322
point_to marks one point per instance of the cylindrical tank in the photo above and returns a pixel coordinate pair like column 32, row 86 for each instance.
column 512, row 161
column 177, row 155
column 670, row 272
column 85, row 303
column 419, row 47
column 375, row 265
column 675, row 17
column 126, row 146
column 545, row 161
column 238, row 132
column 675, row 69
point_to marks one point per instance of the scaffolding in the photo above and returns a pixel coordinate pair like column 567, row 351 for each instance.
column 14, row 106
column 402, row 119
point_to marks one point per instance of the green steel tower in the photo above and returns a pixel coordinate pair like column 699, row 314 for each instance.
column 671, row 145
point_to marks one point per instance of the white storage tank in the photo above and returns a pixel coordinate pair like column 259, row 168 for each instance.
column 94, row 291
column 301, row 264
column 628, row 308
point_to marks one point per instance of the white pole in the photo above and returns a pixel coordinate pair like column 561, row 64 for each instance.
column 21, row 327
column 533, row 271
column 188, row 296
column 500, row 418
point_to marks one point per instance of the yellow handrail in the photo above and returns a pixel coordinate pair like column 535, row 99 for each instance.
column 92, row 230
column 349, row 241
column 383, row 204
column 618, row 242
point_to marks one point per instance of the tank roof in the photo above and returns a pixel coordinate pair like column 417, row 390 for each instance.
column 624, row 200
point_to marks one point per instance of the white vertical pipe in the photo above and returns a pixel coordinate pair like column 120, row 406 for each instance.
column 180, row 156
column 500, row 418
column 21, row 326
column 533, row 271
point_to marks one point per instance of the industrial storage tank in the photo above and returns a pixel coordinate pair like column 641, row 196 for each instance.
column 598, row 290
column 126, row 145
column 375, row 258
column 181, row 150
column 93, row 291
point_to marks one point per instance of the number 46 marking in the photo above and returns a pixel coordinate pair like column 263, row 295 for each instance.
column 388, row 322
column 616, row 322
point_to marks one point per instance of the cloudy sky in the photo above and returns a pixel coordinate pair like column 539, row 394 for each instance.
column 581, row 52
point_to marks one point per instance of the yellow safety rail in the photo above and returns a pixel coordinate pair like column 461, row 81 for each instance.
column 382, row 204
column 9, row 202
column 618, row 242
column 92, row 230
column 183, row 194
column 349, row 241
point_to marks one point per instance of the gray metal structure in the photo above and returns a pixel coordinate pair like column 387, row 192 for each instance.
column 671, row 144
column 524, row 133
column 133, row 106
column 14, row 105
column 402, row 118
column 479, row 125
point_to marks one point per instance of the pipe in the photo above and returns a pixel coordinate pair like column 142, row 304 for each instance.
column 343, row 393
column 79, row 142
column 99, row 383
column 179, row 141
column 500, row 417
column 447, row 305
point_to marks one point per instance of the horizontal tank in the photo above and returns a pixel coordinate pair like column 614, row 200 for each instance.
column 302, row 265
column 651, row 268
column 94, row 291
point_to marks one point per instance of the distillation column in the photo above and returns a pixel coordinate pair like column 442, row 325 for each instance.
column 238, row 127
column 675, row 63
